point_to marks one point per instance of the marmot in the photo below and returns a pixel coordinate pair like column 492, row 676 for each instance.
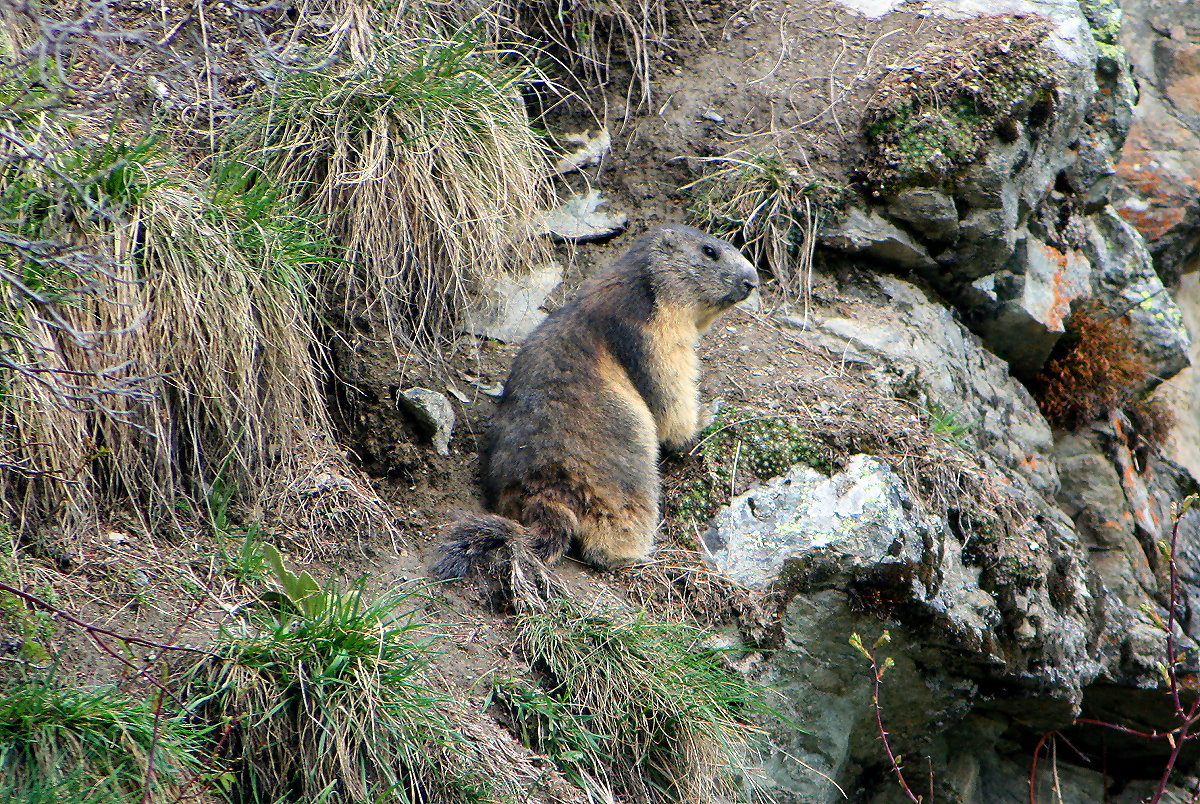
column 572, row 452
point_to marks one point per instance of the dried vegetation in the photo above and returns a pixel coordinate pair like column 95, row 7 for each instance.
column 773, row 209
column 418, row 153
column 1096, row 371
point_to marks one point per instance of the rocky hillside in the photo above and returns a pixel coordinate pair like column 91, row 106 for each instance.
column 267, row 267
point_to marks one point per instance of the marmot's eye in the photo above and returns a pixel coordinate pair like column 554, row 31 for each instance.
column 709, row 252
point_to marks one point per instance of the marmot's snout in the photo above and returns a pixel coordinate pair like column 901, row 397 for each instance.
column 743, row 284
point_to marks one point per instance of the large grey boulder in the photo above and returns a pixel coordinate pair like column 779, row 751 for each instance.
column 854, row 553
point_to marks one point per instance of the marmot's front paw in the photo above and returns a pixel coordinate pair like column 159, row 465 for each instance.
column 679, row 447
column 709, row 411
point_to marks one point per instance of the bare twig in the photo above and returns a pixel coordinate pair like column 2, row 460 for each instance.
column 877, row 671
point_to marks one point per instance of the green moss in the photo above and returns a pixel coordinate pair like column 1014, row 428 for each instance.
column 695, row 501
column 739, row 448
column 1104, row 18
column 928, row 122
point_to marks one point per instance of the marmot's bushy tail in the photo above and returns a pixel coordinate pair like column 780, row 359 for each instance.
column 472, row 539
column 509, row 556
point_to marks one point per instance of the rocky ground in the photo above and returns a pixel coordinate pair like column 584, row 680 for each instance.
column 879, row 460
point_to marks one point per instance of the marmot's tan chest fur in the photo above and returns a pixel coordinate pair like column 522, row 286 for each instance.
column 572, row 452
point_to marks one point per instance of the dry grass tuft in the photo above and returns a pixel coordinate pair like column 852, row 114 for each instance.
column 663, row 719
column 679, row 586
column 769, row 206
column 164, row 349
column 588, row 39
column 418, row 153
column 1095, row 371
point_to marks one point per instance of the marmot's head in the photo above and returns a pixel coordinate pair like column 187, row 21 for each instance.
column 691, row 268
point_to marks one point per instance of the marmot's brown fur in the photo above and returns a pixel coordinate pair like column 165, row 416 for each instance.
column 572, row 453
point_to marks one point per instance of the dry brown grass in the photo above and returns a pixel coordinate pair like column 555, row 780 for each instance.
column 769, row 206
column 589, row 38
column 418, row 153
column 189, row 325
column 1094, row 371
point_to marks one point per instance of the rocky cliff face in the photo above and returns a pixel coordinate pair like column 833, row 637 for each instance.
column 991, row 192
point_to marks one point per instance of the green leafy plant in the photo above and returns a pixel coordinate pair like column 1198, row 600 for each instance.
column 947, row 425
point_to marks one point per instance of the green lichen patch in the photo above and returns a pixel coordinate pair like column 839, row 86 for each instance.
column 934, row 114
column 738, row 449
column 1104, row 18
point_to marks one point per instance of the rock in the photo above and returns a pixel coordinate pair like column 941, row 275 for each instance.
column 433, row 413
column 1092, row 494
column 1159, row 170
column 854, row 553
column 1126, row 285
column 922, row 353
column 930, row 211
column 1182, row 394
column 509, row 308
column 986, row 239
column 577, row 220
column 592, row 150
column 1019, row 311
column 859, row 514
column 869, row 234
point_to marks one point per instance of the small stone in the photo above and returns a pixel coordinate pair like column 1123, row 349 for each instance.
column 710, row 115
column 592, row 149
column 160, row 89
column 578, row 220
column 509, row 307
column 433, row 413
